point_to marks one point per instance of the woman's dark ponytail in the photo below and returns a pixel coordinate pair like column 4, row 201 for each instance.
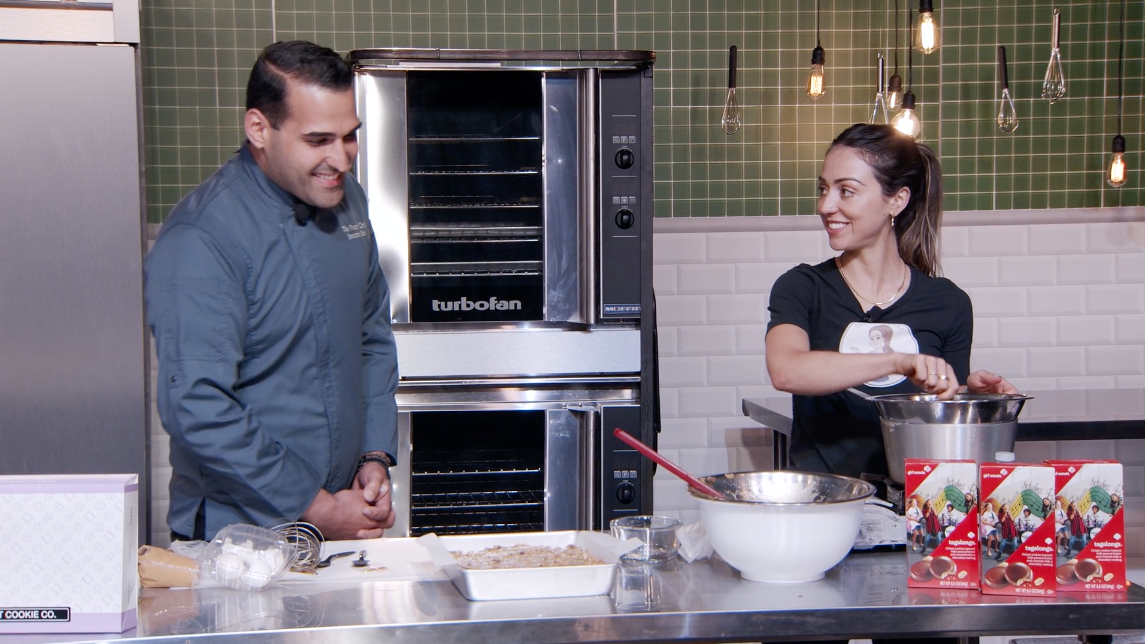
column 898, row 161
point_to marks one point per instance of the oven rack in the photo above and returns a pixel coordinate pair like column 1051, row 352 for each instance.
column 531, row 520
column 474, row 269
column 470, row 138
column 449, row 171
column 474, row 462
column 445, row 501
column 489, row 237
column 478, row 528
column 465, row 232
column 466, row 205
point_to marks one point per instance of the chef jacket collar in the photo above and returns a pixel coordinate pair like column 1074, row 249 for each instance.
column 274, row 193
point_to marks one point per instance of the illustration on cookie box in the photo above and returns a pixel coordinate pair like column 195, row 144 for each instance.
column 1016, row 529
column 1089, row 523
column 942, row 519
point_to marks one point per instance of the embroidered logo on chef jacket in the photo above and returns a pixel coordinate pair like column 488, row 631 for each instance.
column 354, row 231
column 866, row 337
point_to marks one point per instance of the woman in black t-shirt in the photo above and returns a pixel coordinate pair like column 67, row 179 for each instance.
column 880, row 197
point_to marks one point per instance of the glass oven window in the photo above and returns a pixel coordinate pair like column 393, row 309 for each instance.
column 477, row 472
column 476, row 188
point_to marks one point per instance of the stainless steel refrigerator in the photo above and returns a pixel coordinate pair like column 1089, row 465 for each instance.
column 73, row 348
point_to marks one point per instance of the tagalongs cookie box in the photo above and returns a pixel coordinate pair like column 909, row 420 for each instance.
column 942, row 519
column 1016, row 529
column 1090, row 525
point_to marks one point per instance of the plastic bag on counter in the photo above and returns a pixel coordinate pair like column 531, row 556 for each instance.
column 190, row 549
column 694, row 543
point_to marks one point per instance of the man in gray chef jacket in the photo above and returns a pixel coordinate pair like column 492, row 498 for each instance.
column 277, row 365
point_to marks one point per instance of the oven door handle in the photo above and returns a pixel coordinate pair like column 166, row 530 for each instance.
column 589, row 509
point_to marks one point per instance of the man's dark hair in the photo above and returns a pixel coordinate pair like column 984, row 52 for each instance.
column 301, row 61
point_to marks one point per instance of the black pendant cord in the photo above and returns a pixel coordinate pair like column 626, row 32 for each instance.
column 909, row 57
column 817, row 43
column 896, row 36
column 1120, row 74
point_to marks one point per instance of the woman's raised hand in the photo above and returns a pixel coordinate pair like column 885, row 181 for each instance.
column 929, row 373
column 984, row 382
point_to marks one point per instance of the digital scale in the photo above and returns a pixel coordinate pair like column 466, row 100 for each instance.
column 884, row 523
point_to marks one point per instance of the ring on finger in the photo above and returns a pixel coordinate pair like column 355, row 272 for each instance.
column 931, row 373
column 942, row 376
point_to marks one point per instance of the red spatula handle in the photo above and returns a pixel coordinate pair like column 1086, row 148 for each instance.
column 669, row 465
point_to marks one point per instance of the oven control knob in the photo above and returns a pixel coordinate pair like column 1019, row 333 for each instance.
column 625, row 158
column 626, row 493
column 625, row 219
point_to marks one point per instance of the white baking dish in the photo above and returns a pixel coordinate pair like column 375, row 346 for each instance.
column 530, row 583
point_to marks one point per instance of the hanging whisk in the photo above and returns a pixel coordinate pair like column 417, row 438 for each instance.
column 731, row 118
column 879, row 113
column 1053, row 87
column 1007, row 113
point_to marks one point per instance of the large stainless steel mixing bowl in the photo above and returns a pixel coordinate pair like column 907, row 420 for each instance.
column 783, row 527
column 969, row 426
column 786, row 488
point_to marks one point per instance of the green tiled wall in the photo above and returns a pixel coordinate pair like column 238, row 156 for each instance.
column 197, row 55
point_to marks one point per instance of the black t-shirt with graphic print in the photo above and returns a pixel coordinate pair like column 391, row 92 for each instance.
column 840, row 432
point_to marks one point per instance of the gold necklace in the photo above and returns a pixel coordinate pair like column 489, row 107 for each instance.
column 868, row 300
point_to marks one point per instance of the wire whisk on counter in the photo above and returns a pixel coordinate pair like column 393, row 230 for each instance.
column 307, row 540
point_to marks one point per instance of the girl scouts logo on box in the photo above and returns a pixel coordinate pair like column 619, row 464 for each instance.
column 35, row 614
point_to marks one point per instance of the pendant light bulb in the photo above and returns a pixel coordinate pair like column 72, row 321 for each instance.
column 1117, row 170
column 894, row 93
column 906, row 121
column 1053, row 87
column 815, row 85
column 1118, row 173
column 927, row 27
column 1007, row 112
column 879, row 113
column 894, row 87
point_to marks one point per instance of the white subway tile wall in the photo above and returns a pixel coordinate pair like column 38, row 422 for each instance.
column 1057, row 307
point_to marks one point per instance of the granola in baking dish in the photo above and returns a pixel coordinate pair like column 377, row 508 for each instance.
column 522, row 556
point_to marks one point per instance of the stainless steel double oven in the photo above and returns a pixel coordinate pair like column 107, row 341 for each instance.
column 511, row 196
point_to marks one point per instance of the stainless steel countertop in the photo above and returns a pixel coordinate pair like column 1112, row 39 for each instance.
column 864, row 596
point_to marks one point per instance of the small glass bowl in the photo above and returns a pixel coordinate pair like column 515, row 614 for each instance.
column 657, row 533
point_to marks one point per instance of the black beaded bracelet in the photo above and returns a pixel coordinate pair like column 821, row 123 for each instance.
column 380, row 458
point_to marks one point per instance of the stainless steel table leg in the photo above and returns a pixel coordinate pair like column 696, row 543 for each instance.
column 779, row 451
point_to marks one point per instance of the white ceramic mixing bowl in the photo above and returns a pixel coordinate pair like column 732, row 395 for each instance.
column 784, row 527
